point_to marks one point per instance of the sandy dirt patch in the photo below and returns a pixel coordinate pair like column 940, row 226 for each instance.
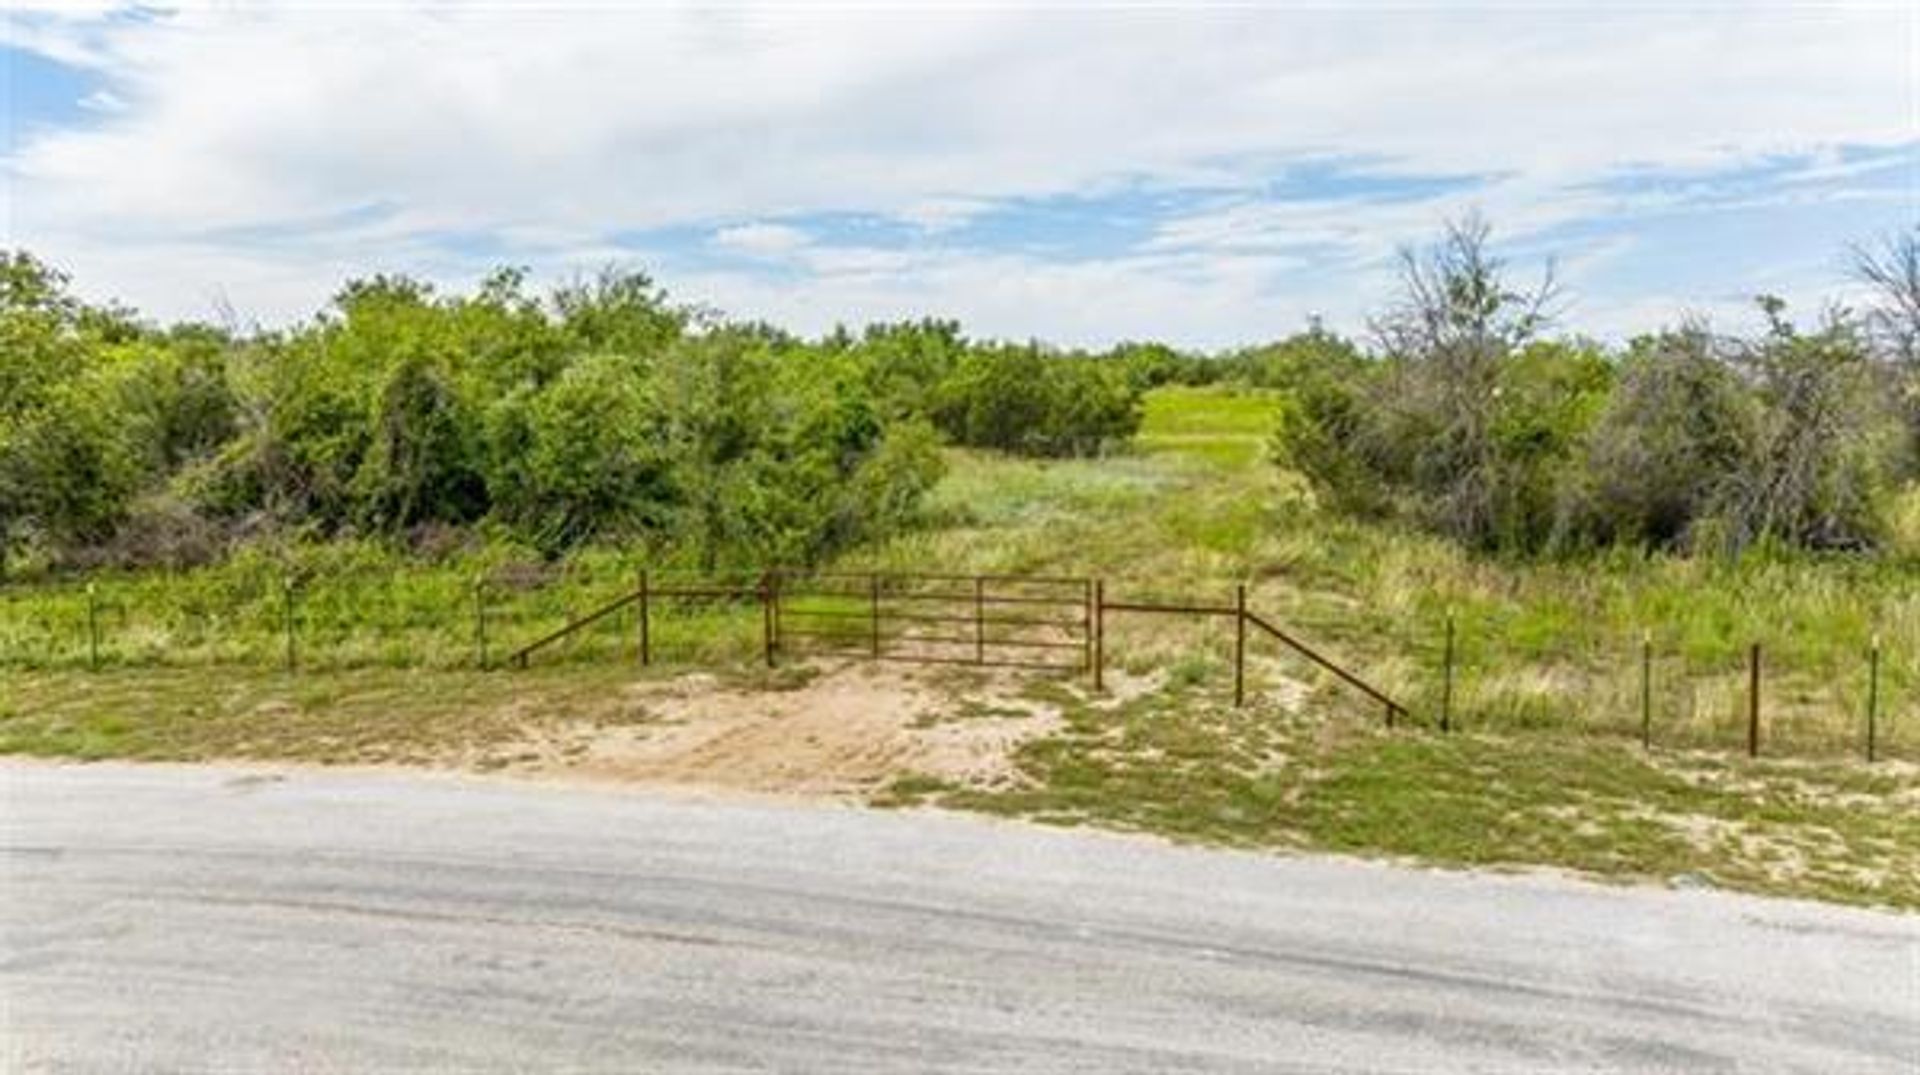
column 846, row 732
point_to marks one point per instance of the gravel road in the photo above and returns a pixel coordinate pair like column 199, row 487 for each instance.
column 254, row 920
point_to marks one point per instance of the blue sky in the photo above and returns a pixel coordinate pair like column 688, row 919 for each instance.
column 1204, row 175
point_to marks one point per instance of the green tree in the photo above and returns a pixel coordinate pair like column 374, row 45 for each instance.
column 176, row 398
column 1450, row 335
column 907, row 362
column 1021, row 398
column 620, row 312
column 423, row 463
column 583, row 457
column 67, row 467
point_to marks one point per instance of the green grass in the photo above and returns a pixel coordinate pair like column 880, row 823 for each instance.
column 1224, row 427
column 353, row 605
column 367, row 716
column 1183, row 763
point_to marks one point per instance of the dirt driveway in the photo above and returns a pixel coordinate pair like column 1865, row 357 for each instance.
column 845, row 731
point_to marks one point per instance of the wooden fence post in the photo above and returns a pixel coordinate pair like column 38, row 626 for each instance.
column 1240, row 644
column 1753, row 701
column 873, row 615
column 1646, row 689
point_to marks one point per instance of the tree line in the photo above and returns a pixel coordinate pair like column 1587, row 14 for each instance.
column 1467, row 420
column 604, row 411
column 599, row 411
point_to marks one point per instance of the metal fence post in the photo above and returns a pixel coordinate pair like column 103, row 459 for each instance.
column 1086, row 627
column 779, row 625
column 1099, row 630
column 93, row 629
column 1446, row 683
column 480, row 622
column 1873, row 695
column 766, row 615
column 1646, row 689
column 645, row 627
column 286, row 585
column 1240, row 644
column 979, row 620
column 1753, row 701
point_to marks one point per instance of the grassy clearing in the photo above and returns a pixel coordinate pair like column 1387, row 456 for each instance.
column 1223, row 426
column 1180, row 762
column 1552, row 646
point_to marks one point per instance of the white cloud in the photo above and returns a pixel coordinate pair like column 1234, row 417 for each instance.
column 103, row 101
column 767, row 240
column 267, row 152
column 54, row 31
column 943, row 214
column 1091, row 302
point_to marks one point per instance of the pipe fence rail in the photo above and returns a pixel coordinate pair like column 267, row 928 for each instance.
column 1046, row 624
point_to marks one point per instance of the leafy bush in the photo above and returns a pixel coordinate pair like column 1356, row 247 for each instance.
column 581, row 456
column 67, row 464
column 602, row 413
column 1020, row 398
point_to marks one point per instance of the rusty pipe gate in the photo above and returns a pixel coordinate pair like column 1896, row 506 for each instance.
column 1033, row 622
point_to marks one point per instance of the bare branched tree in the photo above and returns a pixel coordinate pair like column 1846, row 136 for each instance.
column 1892, row 317
column 1892, row 272
column 1820, row 451
column 1454, row 325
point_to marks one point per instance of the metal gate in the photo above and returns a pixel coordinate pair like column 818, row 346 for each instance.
column 1045, row 623
column 1004, row 621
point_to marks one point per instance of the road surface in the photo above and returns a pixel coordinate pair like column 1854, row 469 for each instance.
column 210, row 919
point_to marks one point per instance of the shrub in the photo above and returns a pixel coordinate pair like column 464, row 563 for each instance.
column 1020, row 398
column 1669, row 447
column 584, row 456
column 1470, row 426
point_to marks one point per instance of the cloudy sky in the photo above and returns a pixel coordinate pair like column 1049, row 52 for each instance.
column 1203, row 175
